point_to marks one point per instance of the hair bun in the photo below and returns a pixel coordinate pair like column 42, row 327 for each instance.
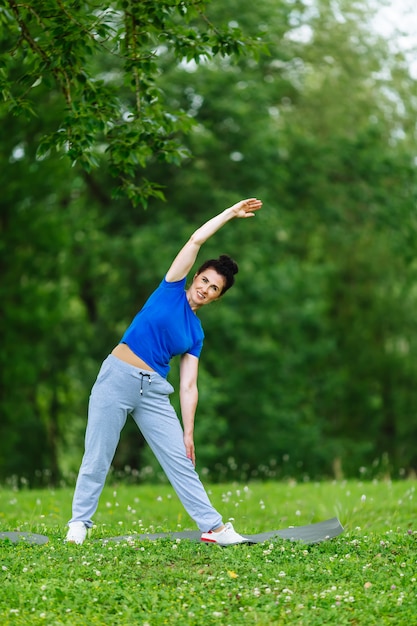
column 228, row 263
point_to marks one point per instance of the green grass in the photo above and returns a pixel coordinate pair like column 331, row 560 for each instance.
column 367, row 576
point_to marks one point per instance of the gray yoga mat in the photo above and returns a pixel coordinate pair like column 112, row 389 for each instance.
column 30, row 538
column 311, row 533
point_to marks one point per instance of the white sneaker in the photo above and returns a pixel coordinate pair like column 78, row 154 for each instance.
column 77, row 532
column 226, row 537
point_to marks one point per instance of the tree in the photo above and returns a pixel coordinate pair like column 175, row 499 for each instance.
column 79, row 81
column 103, row 64
column 322, row 130
column 309, row 361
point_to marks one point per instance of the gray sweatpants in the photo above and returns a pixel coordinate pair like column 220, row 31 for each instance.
column 122, row 389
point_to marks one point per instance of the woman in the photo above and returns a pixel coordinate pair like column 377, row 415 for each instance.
column 133, row 380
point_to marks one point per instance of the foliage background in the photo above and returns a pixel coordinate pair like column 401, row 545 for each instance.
column 309, row 365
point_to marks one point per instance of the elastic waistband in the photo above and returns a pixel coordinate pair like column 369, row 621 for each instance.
column 127, row 367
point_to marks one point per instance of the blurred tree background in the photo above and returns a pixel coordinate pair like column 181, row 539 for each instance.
column 122, row 129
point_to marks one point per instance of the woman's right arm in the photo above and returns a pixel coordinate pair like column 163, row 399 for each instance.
column 186, row 257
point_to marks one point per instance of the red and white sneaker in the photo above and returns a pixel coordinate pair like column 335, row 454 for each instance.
column 226, row 537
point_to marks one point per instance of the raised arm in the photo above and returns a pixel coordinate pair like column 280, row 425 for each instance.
column 186, row 257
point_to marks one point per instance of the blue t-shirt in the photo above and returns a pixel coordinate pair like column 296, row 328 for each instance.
column 165, row 327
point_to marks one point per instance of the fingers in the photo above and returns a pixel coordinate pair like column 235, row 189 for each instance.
column 190, row 452
column 253, row 204
column 247, row 208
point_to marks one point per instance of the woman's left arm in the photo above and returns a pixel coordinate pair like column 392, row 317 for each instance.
column 188, row 400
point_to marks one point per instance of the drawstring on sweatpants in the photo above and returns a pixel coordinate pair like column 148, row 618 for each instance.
column 142, row 376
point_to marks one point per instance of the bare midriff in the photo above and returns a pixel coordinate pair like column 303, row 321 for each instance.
column 124, row 353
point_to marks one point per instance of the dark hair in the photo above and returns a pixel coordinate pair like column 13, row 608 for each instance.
column 225, row 266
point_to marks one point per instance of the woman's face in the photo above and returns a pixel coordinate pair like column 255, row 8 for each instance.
column 205, row 288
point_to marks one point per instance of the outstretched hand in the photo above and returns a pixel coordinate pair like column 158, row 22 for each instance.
column 186, row 257
column 246, row 208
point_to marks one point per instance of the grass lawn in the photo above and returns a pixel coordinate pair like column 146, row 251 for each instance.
column 367, row 576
